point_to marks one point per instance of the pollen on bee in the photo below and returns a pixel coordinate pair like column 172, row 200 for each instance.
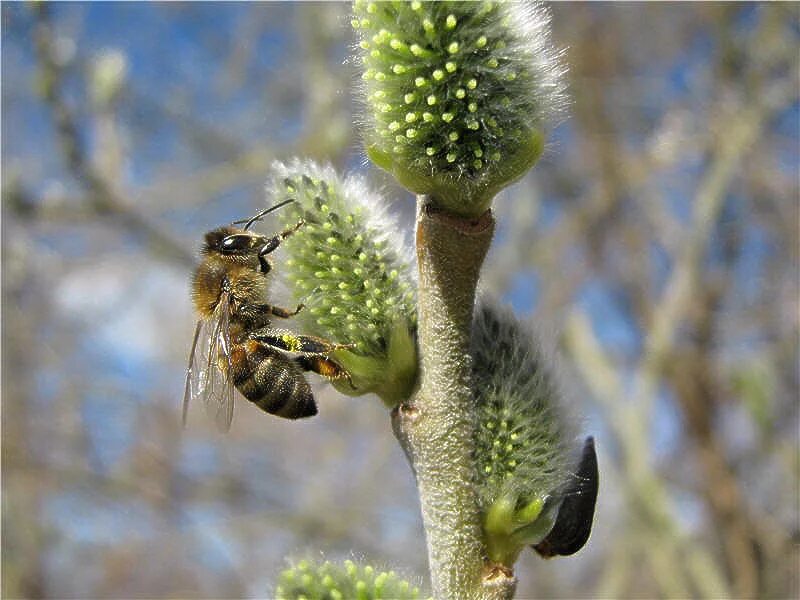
column 292, row 343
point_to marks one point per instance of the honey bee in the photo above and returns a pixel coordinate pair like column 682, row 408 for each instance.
column 234, row 344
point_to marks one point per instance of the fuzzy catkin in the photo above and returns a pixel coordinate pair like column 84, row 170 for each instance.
column 344, row 263
column 330, row 581
column 457, row 94
column 523, row 437
column 348, row 264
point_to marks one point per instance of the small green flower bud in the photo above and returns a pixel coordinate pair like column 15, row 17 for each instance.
column 478, row 62
column 108, row 75
column 523, row 437
column 350, row 268
column 329, row 581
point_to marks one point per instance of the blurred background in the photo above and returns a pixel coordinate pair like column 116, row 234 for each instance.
column 655, row 248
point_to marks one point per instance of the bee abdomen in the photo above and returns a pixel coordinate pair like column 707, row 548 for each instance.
column 278, row 387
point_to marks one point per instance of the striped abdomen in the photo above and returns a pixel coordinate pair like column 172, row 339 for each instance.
column 271, row 380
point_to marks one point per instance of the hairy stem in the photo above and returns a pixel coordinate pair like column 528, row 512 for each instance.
column 436, row 426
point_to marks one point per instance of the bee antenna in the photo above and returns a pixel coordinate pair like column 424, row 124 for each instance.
column 259, row 216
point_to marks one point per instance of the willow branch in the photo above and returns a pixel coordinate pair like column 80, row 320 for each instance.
column 436, row 427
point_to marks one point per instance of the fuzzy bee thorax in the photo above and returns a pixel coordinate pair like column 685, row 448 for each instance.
column 215, row 276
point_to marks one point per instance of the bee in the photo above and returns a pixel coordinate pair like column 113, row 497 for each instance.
column 234, row 344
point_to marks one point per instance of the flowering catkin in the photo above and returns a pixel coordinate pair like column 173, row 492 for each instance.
column 348, row 581
column 523, row 436
column 458, row 95
column 352, row 272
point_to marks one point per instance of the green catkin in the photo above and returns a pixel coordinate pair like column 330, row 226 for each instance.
column 523, row 436
column 480, row 82
column 352, row 272
column 347, row 581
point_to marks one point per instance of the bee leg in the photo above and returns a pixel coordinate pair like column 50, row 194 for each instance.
column 324, row 366
column 272, row 243
column 285, row 313
column 292, row 342
column 258, row 314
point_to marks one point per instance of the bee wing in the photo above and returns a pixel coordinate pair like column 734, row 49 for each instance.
column 193, row 372
column 209, row 365
column 216, row 383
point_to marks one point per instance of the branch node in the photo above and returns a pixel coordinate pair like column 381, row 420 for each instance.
column 495, row 572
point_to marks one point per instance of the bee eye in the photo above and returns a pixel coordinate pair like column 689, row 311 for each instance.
column 235, row 243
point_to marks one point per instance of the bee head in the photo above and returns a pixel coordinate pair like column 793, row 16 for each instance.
column 233, row 242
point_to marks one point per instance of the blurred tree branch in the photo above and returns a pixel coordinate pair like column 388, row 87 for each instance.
column 740, row 134
column 101, row 196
